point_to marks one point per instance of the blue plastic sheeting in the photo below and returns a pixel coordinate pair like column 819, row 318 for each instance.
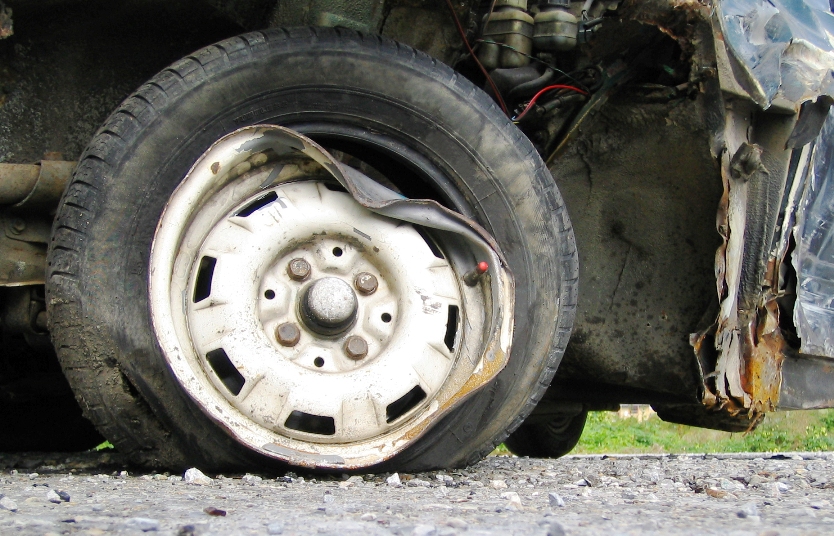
column 782, row 48
column 814, row 254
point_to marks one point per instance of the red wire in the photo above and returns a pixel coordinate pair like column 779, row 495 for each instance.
column 539, row 94
column 462, row 34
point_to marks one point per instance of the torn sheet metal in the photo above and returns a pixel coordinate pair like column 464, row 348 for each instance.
column 783, row 50
column 742, row 368
column 814, row 256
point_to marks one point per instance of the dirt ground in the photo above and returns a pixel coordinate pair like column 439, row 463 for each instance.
column 738, row 494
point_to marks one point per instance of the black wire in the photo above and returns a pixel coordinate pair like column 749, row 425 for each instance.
column 489, row 80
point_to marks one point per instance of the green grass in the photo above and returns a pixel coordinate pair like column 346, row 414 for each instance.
column 786, row 431
column 608, row 433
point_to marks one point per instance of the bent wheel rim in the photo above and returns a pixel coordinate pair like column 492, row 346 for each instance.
column 222, row 289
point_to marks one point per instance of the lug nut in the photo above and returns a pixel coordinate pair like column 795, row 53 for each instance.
column 365, row 283
column 288, row 334
column 298, row 269
column 356, row 347
column 18, row 226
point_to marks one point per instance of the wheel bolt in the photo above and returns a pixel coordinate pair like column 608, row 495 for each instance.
column 356, row 347
column 288, row 334
column 18, row 226
column 365, row 283
column 298, row 269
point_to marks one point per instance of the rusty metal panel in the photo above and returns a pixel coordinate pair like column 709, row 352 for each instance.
column 807, row 382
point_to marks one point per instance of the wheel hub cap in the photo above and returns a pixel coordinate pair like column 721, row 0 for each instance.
column 329, row 306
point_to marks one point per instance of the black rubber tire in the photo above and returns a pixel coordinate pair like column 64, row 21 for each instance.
column 550, row 439
column 98, row 259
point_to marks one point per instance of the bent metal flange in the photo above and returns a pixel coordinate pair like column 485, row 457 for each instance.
column 288, row 417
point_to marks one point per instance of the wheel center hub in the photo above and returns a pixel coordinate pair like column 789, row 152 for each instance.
column 328, row 306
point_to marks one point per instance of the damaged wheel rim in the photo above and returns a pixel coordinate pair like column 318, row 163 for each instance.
column 313, row 329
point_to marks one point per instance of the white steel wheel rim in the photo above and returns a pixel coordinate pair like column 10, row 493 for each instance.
column 307, row 403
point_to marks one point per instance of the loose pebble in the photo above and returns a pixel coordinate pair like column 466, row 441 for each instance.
column 195, row 476
column 212, row 511
column 555, row 499
column 7, row 504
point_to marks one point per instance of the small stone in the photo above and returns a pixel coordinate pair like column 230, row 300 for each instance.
column 160, row 477
column 498, row 484
column 652, row 497
column 445, row 479
column 174, row 478
column 328, row 497
column 394, row 480
column 782, row 487
column 555, row 499
column 251, row 479
column 53, row 497
column 195, row 476
column 819, row 505
column 555, row 529
column 144, row 524
column 716, row 493
column 33, row 476
column 424, row 530
column 368, row 517
column 123, row 474
column 146, row 477
column 7, row 504
column 512, row 499
column 730, row 485
column 457, row 523
column 748, row 510
column 63, row 495
column 755, row 481
column 98, row 508
column 592, row 480
column 212, row 511
column 276, row 527
column 629, row 495
column 581, row 482
column 418, row 483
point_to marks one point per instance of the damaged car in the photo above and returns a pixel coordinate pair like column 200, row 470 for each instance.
column 391, row 235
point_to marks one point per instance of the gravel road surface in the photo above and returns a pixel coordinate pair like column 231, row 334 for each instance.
column 764, row 495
